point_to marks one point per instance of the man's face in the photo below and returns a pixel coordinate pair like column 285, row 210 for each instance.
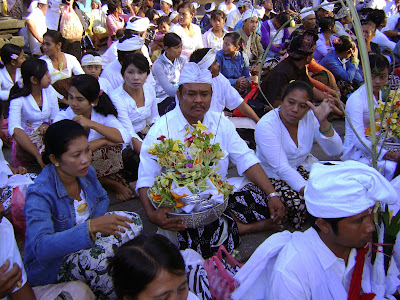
column 310, row 21
column 355, row 231
column 250, row 24
column 322, row 13
column 268, row 5
column 195, row 100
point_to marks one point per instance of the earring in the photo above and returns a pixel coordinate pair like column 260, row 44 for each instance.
column 57, row 164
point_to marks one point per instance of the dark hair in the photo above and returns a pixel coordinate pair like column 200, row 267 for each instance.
column 112, row 6
column 32, row 67
column 136, row 59
column 151, row 13
column 218, row 14
column 188, row 5
column 55, row 36
column 198, row 54
column 298, row 85
column 343, row 44
column 137, row 2
column 369, row 23
column 89, row 87
column 237, row 40
column 7, row 51
column 162, row 20
column 326, row 23
column 171, row 39
column 331, row 221
column 282, row 18
column 140, row 261
column 378, row 62
column 377, row 16
column 58, row 137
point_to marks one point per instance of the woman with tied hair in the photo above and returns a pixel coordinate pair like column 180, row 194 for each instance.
column 93, row 109
column 12, row 57
column 327, row 34
column 116, row 19
column 69, row 232
column 33, row 107
column 189, row 33
column 149, row 267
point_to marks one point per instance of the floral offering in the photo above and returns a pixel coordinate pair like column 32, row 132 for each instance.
column 189, row 180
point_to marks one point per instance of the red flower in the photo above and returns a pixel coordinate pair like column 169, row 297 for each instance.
column 161, row 138
column 190, row 139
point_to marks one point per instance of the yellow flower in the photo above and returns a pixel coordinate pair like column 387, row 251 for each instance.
column 200, row 126
column 175, row 147
column 164, row 182
column 394, row 115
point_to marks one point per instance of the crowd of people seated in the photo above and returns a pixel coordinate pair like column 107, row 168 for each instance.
column 85, row 122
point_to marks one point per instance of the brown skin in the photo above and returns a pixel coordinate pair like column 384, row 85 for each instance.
column 309, row 22
column 353, row 232
column 369, row 33
column 194, row 102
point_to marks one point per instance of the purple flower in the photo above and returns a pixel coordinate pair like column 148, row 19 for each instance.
column 183, row 175
column 188, row 157
column 195, row 184
column 189, row 165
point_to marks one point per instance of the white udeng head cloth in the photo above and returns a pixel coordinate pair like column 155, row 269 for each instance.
column 328, row 7
column 250, row 13
column 131, row 44
column 168, row 1
column 345, row 189
column 305, row 14
column 192, row 73
column 138, row 24
column 207, row 60
column 90, row 60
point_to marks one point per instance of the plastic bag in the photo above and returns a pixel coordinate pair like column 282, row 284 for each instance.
column 17, row 212
column 70, row 25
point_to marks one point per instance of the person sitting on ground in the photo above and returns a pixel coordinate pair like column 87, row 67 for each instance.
column 268, row 31
column 224, row 95
column 91, row 64
column 154, row 264
column 194, row 95
column 308, row 22
column 369, row 29
column 116, row 19
column 358, row 114
column 214, row 37
column 12, row 57
column 343, row 19
column 378, row 17
column 234, row 64
column 189, row 33
column 227, row 6
column 325, row 37
column 163, row 27
column 93, row 109
column 343, row 63
column 268, row 10
column 166, row 70
column 69, row 232
column 325, row 11
column 285, row 137
column 329, row 260
column 234, row 16
column 32, row 109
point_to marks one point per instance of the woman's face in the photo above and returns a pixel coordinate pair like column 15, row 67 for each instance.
column 78, row 103
column 217, row 23
column 185, row 16
column 368, row 32
column 165, row 7
column 45, row 81
column 50, row 48
column 118, row 10
column 379, row 79
column 166, row 286
column 76, row 160
column 21, row 58
column 93, row 70
column 133, row 77
column 294, row 106
column 174, row 52
column 228, row 48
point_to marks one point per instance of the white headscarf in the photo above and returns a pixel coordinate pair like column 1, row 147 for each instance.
column 345, row 189
column 207, row 60
column 192, row 73
column 90, row 60
column 131, row 44
column 305, row 14
column 139, row 24
column 250, row 13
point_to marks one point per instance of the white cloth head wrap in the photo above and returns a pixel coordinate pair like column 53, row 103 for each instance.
column 242, row 3
column 211, row 7
column 345, row 189
column 131, row 44
column 42, row 1
column 342, row 13
column 139, row 24
column 90, row 60
column 305, row 14
column 196, row 5
column 173, row 15
column 192, row 73
column 260, row 11
column 207, row 60
column 250, row 13
column 168, row 1
column 329, row 7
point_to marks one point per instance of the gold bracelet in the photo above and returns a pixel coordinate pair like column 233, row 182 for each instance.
column 91, row 234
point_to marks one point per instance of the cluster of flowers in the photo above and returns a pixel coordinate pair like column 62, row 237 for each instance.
column 192, row 164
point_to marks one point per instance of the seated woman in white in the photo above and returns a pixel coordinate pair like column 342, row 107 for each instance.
column 12, row 57
column 358, row 114
column 285, row 137
column 93, row 109
column 32, row 108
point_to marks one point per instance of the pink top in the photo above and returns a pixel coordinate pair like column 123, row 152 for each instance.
column 114, row 23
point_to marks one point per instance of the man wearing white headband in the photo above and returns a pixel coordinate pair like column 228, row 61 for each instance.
column 224, row 94
column 165, row 7
column 194, row 95
column 91, row 65
column 326, row 261
column 234, row 16
column 308, row 20
column 36, row 26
